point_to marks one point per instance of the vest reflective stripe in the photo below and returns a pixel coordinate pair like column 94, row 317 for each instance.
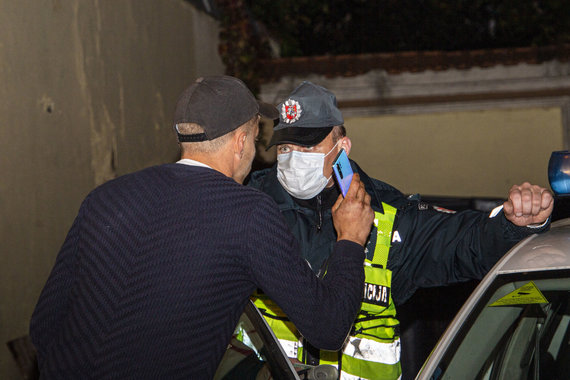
column 384, row 367
column 291, row 348
column 387, row 353
column 373, row 349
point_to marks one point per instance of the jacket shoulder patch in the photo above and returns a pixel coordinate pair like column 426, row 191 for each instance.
column 443, row 210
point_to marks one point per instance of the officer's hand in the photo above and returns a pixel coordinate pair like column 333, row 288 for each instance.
column 528, row 204
column 352, row 215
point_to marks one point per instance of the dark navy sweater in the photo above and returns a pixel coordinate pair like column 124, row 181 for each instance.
column 157, row 268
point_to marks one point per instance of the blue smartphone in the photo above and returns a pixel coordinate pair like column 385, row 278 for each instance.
column 342, row 171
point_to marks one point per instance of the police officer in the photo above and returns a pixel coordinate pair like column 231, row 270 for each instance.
column 412, row 244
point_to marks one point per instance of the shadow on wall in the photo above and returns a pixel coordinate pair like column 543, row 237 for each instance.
column 24, row 353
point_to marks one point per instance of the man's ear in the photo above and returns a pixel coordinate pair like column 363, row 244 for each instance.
column 346, row 144
column 239, row 142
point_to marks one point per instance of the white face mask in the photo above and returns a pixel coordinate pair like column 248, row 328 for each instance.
column 301, row 173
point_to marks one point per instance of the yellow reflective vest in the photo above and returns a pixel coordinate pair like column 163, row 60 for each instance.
column 372, row 350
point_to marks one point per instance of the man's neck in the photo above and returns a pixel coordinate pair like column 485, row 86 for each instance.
column 216, row 163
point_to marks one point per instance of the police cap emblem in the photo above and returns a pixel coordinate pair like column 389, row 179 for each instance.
column 291, row 111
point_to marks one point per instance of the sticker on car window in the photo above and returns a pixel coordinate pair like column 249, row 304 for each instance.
column 526, row 294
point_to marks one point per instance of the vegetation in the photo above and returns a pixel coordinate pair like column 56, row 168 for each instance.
column 318, row 27
column 333, row 27
column 241, row 48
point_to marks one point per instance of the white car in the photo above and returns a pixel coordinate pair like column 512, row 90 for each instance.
column 516, row 323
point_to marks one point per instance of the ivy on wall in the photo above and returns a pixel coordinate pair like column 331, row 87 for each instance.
column 241, row 46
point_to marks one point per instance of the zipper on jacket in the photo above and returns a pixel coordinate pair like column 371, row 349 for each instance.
column 320, row 212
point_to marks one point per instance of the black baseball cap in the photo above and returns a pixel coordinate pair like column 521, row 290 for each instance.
column 307, row 116
column 219, row 104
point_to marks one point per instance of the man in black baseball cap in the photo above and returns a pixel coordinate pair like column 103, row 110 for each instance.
column 208, row 113
column 412, row 244
column 159, row 264
column 219, row 105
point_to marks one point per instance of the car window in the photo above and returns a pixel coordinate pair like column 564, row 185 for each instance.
column 253, row 352
column 519, row 330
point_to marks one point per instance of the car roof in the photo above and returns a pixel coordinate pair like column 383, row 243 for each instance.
column 550, row 251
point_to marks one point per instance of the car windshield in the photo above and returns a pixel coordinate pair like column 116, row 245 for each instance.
column 520, row 329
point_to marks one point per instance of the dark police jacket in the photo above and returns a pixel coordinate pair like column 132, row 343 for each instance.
column 431, row 246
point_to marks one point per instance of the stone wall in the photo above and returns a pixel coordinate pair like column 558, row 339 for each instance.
column 87, row 93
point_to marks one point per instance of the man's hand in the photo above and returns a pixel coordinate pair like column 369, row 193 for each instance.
column 528, row 204
column 352, row 215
